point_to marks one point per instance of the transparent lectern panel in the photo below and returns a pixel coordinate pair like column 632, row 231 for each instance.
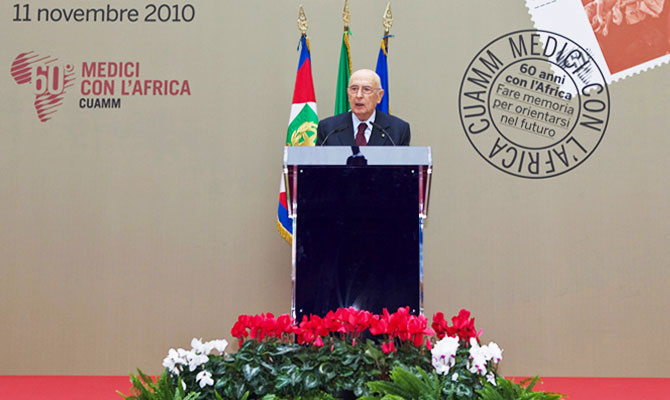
column 357, row 239
column 357, row 229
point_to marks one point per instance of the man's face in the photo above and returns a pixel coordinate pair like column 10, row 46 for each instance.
column 363, row 104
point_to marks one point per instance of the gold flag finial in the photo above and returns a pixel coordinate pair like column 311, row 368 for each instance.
column 302, row 21
column 387, row 19
column 346, row 15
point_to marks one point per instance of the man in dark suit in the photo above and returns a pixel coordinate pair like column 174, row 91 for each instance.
column 363, row 125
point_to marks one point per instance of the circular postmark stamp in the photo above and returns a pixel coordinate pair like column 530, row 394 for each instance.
column 534, row 104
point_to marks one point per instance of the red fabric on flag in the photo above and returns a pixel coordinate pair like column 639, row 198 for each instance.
column 282, row 199
column 304, row 88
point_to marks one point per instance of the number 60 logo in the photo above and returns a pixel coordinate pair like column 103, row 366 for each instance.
column 49, row 79
column 46, row 78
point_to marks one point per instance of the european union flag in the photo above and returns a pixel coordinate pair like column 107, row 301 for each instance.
column 383, row 72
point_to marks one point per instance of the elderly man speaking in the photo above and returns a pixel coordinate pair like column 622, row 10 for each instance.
column 363, row 125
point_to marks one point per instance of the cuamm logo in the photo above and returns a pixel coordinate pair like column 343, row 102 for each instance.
column 48, row 79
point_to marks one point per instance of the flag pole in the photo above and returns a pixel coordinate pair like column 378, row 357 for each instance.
column 382, row 60
column 303, row 120
column 387, row 22
column 302, row 21
column 344, row 67
column 346, row 15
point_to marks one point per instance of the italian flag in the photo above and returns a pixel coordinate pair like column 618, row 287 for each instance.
column 302, row 124
column 343, row 75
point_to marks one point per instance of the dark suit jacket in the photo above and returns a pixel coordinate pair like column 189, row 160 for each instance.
column 341, row 130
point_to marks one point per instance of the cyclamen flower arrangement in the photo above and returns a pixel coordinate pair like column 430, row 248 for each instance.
column 326, row 357
column 345, row 323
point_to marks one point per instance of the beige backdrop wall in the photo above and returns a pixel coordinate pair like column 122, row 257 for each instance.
column 129, row 231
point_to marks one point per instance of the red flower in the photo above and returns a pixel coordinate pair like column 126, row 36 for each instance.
column 261, row 326
column 334, row 322
column 388, row 347
column 439, row 325
column 284, row 324
column 349, row 323
column 401, row 325
column 399, row 322
column 378, row 326
column 356, row 321
column 462, row 327
column 239, row 330
column 418, row 327
column 320, row 325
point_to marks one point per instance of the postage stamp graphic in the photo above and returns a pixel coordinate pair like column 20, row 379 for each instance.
column 624, row 37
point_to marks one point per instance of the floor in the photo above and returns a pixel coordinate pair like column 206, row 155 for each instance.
column 105, row 387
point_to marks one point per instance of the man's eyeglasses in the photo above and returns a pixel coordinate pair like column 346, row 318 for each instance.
column 367, row 90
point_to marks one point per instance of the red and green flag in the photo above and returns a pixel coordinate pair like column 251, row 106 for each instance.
column 302, row 124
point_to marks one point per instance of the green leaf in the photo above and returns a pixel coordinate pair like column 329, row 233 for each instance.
column 530, row 383
column 220, row 383
column 328, row 370
column 281, row 382
column 270, row 367
column 241, row 392
column 390, row 388
column 285, row 349
column 311, row 381
column 260, row 348
column 250, row 371
column 287, row 369
column 244, row 356
column 350, row 358
column 346, row 373
column 219, row 369
column 508, row 390
column 463, row 391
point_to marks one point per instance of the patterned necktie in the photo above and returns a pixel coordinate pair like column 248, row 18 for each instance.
column 360, row 135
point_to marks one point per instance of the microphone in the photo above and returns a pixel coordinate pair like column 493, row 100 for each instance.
column 384, row 133
column 356, row 159
column 338, row 129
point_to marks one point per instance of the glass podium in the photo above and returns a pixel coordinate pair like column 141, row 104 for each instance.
column 358, row 216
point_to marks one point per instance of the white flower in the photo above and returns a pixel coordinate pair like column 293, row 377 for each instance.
column 197, row 346
column 444, row 354
column 194, row 357
column 218, row 345
column 479, row 356
column 170, row 364
column 204, row 378
column 491, row 378
column 207, row 347
column 174, row 359
column 454, row 377
column 183, row 385
column 495, row 352
column 196, row 360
